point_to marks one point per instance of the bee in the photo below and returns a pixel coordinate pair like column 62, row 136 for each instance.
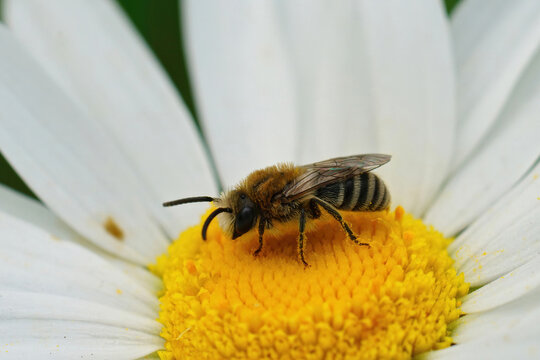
column 285, row 193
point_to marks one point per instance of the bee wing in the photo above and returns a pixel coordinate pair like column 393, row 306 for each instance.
column 323, row 173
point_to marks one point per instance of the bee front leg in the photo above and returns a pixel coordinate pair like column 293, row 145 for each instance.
column 335, row 213
column 262, row 226
column 302, row 226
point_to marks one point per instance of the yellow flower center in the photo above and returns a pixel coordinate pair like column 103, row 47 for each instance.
column 394, row 299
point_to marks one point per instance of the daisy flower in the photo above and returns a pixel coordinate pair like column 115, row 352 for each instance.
column 94, row 127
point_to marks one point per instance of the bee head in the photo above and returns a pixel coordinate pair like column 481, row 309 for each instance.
column 239, row 212
column 243, row 216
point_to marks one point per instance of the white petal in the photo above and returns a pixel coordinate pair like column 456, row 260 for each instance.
column 509, row 151
column 57, row 339
column 494, row 42
column 354, row 97
column 513, row 346
column 136, row 272
column 17, row 305
column 503, row 319
column 30, row 210
column 326, row 42
column 494, row 349
column 511, row 286
column 243, row 84
column 91, row 50
column 412, row 81
column 34, row 212
column 510, row 331
column 33, row 260
column 352, row 94
column 70, row 161
column 504, row 237
column 72, row 302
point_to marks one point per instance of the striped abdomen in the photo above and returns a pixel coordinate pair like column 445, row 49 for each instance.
column 364, row 192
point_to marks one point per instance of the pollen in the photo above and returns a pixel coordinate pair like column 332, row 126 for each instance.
column 391, row 300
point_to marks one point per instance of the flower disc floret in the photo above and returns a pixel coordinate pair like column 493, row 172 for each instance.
column 393, row 299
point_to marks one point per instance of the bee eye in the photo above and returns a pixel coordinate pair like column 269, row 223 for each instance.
column 244, row 221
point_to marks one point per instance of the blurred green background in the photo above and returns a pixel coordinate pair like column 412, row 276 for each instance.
column 159, row 22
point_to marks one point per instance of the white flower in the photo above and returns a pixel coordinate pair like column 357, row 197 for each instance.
column 92, row 124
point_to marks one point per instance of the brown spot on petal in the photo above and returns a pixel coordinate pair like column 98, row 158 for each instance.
column 112, row 228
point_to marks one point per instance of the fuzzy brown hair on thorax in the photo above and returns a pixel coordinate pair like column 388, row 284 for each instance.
column 262, row 184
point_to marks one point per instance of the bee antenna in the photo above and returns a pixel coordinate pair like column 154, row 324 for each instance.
column 211, row 217
column 189, row 200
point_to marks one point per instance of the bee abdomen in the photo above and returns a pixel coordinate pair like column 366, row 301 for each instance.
column 373, row 194
column 364, row 192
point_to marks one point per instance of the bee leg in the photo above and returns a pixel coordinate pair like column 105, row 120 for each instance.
column 314, row 210
column 335, row 213
column 262, row 225
column 302, row 227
